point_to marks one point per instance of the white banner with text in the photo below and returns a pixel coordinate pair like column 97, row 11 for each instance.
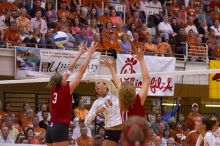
column 42, row 63
column 160, row 85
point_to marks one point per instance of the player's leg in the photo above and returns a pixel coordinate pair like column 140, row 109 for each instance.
column 48, row 136
column 60, row 134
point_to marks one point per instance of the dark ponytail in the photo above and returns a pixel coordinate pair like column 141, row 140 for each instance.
column 55, row 80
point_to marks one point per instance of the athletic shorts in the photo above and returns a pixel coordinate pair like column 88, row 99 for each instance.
column 57, row 132
column 113, row 135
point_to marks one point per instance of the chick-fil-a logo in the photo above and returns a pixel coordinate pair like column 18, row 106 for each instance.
column 128, row 68
column 156, row 83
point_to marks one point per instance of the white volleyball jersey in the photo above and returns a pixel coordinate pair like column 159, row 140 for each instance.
column 111, row 113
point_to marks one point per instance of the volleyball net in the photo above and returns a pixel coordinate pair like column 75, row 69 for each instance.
column 162, row 81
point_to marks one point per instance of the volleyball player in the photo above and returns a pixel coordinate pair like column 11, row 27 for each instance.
column 61, row 100
column 131, row 103
column 108, row 104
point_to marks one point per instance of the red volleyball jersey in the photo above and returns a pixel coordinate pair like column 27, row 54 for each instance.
column 136, row 110
column 61, row 105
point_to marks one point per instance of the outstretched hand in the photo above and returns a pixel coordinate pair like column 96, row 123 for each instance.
column 82, row 47
column 93, row 48
column 139, row 54
column 108, row 63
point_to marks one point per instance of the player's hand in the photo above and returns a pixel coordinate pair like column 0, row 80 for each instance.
column 109, row 64
column 92, row 48
column 139, row 54
column 82, row 47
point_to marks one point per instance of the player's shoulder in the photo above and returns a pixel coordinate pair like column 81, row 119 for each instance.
column 192, row 132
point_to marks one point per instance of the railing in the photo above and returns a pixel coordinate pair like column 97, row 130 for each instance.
column 202, row 55
column 11, row 45
column 197, row 53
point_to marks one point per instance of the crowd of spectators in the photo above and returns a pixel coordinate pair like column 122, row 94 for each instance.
column 164, row 128
column 164, row 27
column 156, row 26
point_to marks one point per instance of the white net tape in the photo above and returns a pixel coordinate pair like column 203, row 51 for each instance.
column 92, row 78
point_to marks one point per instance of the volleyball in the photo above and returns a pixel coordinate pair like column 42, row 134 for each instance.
column 60, row 38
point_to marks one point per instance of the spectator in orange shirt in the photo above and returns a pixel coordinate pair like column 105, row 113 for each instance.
column 143, row 32
column 63, row 12
column 111, row 42
column 163, row 47
column 23, row 20
column 39, row 132
column 84, row 140
column 136, row 44
column 10, row 6
column 198, row 52
column 179, row 133
column 103, row 19
column 191, row 38
column 191, row 11
column 29, row 133
column 62, row 22
column 77, row 12
column 12, row 35
column 97, row 39
column 173, row 9
column 98, row 5
column 21, row 114
column 106, row 30
column 135, row 19
column 86, row 4
column 15, row 124
column 149, row 46
column 114, row 18
column 27, row 120
column 119, row 31
column 192, row 116
column 6, row 110
column 81, row 112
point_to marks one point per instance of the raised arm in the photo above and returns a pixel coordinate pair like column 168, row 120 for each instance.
column 111, row 67
column 77, row 79
column 82, row 50
column 145, row 75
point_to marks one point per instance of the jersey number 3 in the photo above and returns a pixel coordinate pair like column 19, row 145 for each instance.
column 54, row 97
